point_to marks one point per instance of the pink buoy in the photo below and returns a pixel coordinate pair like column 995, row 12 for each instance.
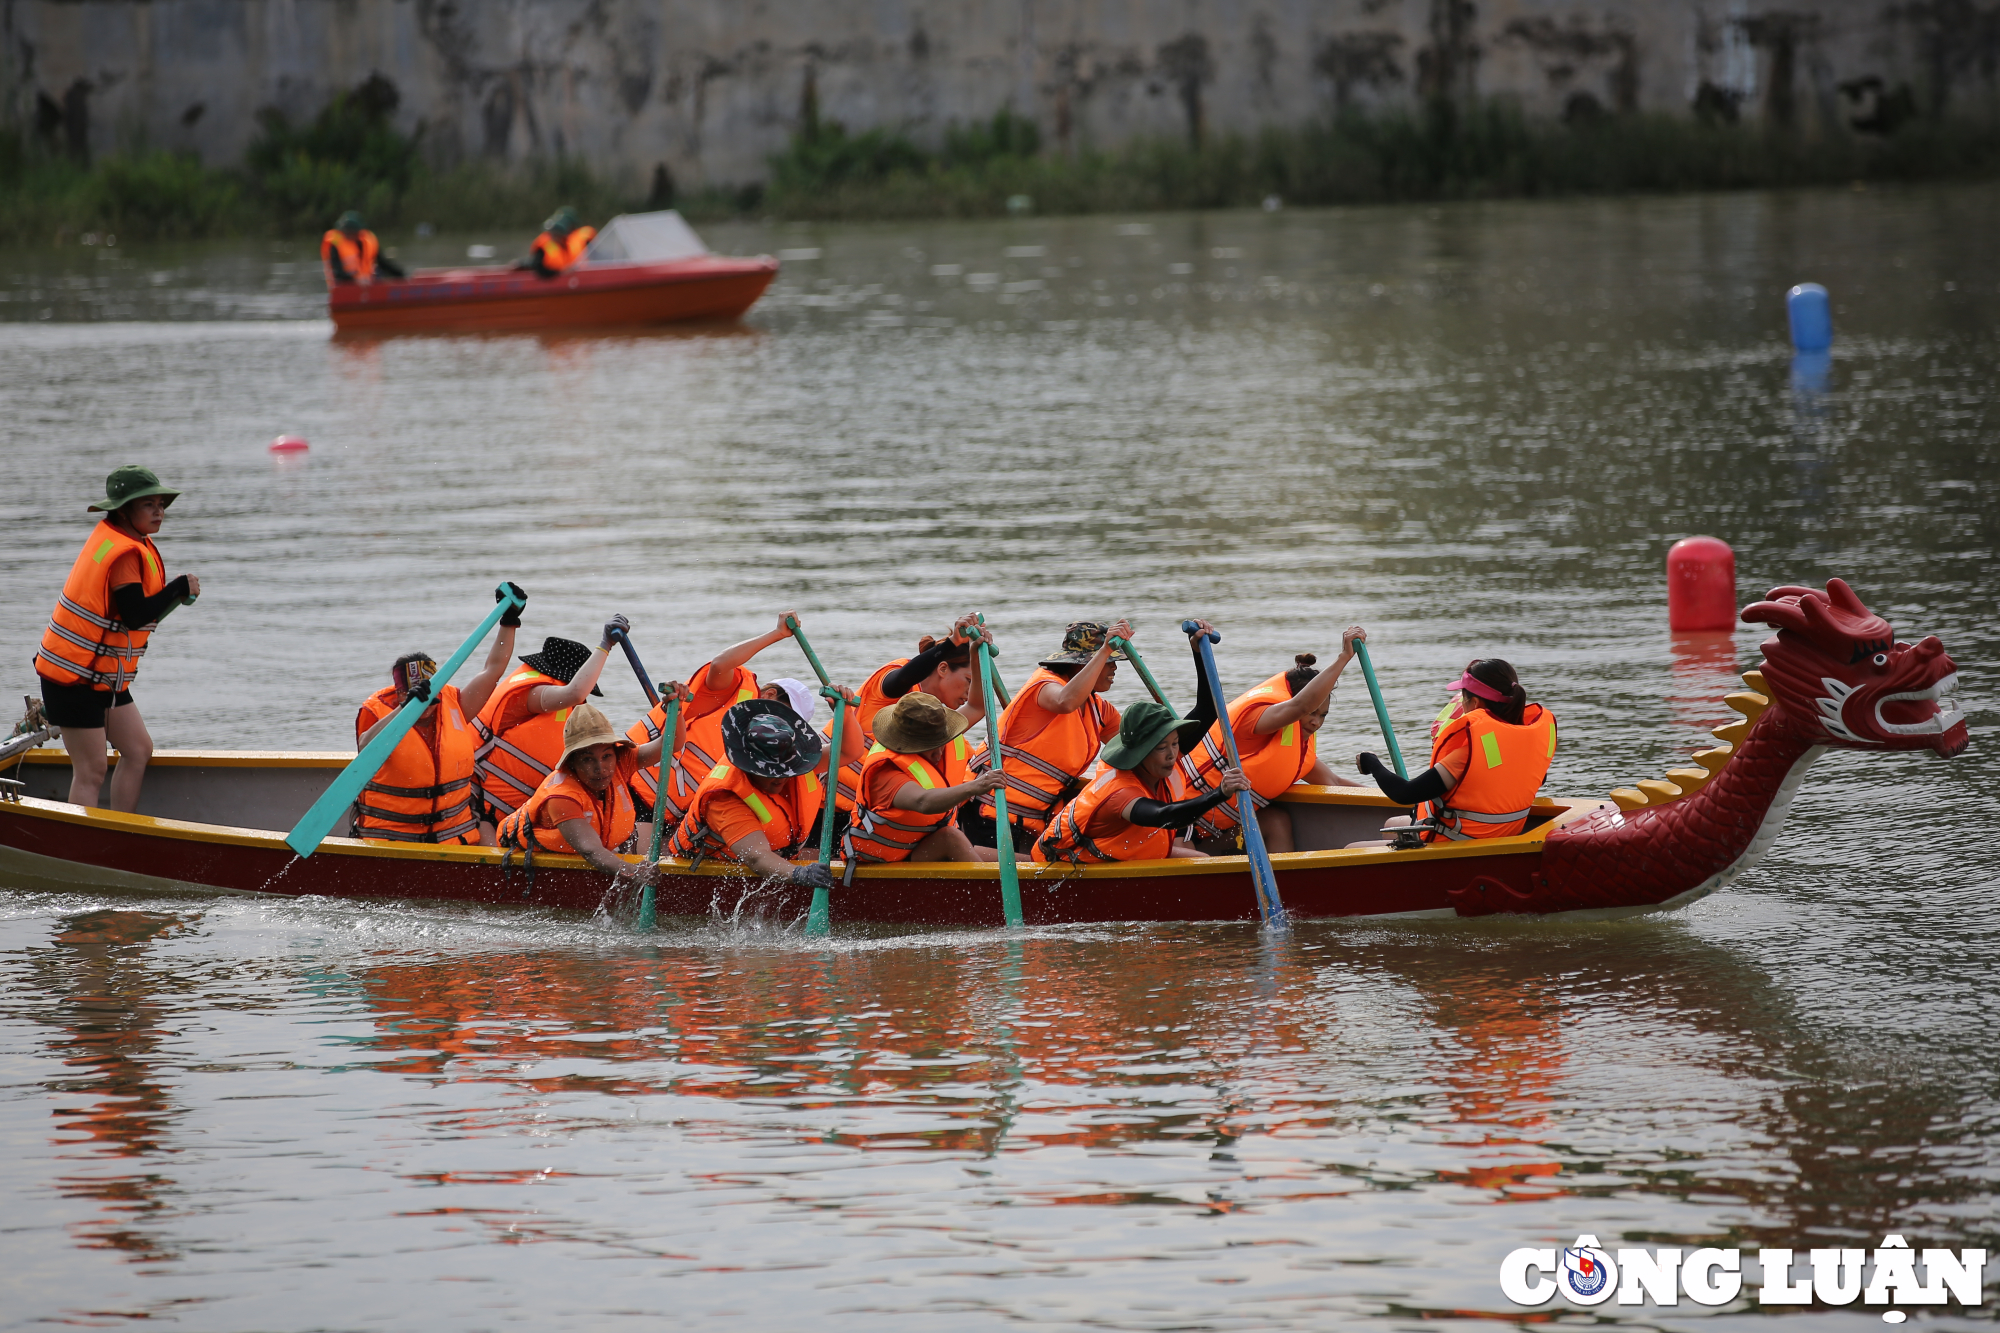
column 1701, row 585
column 289, row 444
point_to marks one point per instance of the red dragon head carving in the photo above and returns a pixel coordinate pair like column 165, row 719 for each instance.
column 1837, row 668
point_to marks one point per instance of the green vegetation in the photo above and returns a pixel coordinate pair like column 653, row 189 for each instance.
column 296, row 179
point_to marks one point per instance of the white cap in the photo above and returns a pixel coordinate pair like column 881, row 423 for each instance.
column 799, row 695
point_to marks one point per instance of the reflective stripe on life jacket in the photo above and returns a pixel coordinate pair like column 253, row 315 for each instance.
column 1506, row 767
column 885, row 831
column 511, row 765
column 610, row 816
column 357, row 258
column 559, row 254
column 1093, row 827
column 1272, row 761
column 419, row 796
column 579, row 241
column 785, row 816
column 85, row 642
column 1046, row 753
column 701, row 747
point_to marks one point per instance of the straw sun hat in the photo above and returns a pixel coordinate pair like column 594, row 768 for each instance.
column 918, row 723
column 584, row 727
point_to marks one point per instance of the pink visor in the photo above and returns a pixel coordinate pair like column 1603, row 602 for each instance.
column 1478, row 687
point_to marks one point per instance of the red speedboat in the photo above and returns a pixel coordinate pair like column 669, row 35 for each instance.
column 643, row 268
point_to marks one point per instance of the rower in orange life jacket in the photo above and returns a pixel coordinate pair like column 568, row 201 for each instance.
column 115, row 596
column 584, row 806
column 1276, row 726
column 1486, row 764
column 350, row 253
column 561, row 244
column 714, row 686
column 1051, row 732
column 423, row 792
column 1129, row 811
column 917, row 772
column 757, row 806
column 521, row 727
column 942, row 668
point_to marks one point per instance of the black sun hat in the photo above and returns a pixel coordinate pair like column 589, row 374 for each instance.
column 766, row 739
column 561, row 658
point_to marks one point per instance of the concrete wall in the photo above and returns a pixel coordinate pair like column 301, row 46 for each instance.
column 710, row 87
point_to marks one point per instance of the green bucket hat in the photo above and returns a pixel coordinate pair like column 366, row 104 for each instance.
column 1142, row 729
column 563, row 219
column 128, row 484
column 1080, row 641
column 349, row 221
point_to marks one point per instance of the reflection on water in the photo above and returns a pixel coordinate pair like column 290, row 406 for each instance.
column 1475, row 429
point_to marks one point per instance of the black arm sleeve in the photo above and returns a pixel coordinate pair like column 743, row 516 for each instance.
column 1204, row 699
column 136, row 609
column 1153, row 814
column 911, row 674
column 1425, row 786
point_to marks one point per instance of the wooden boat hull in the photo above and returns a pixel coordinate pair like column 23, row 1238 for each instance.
column 708, row 287
column 46, row 842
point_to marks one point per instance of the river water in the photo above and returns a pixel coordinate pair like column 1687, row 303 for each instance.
column 1474, row 429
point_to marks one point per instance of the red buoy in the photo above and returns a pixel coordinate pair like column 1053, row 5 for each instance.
column 1701, row 585
column 289, row 444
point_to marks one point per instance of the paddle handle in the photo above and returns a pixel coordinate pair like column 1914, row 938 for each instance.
column 1152, row 686
column 667, row 730
column 638, row 668
column 1262, row 874
column 1003, row 832
column 819, row 917
column 1381, row 708
column 991, row 668
column 317, row 822
column 792, row 624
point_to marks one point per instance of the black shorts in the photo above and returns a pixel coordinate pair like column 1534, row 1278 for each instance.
column 79, row 705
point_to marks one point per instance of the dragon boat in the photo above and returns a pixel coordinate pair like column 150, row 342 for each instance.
column 643, row 268
column 1833, row 675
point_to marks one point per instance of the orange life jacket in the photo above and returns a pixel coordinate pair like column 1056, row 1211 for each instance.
column 1506, row 768
column 1069, row 836
column 558, row 255
column 701, row 748
column 419, row 796
column 1272, row 761
column 1045, row 753
column 610, row 816
column 512, row 764
column 873, row 701
column 85, row 641
column 356, row 256
column 786, row 817
column 888, row 833
column 579, row 241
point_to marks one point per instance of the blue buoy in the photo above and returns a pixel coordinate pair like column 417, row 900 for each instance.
column 1812, row 317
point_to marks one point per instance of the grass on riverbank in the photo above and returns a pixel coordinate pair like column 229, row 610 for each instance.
column 296, row 180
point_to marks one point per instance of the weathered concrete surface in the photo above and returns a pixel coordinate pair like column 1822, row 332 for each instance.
column 710, row 87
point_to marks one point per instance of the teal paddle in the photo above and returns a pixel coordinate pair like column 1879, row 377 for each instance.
column 1262, row 874
column 1010, row 875
column 647, row 894
column 1381, row 709
column 819, row 916
column 312, row 828
column 1152, row 686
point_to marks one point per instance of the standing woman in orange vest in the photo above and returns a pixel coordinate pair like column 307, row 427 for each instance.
column 1275, row 725
column 115, row 596
column 521, row 727
column 916, row 773
column 1051, row 732
column 1486, row 764
column 423, row 792
column 350, row 253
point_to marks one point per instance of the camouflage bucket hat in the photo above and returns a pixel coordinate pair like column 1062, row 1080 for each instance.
column 1080, row 642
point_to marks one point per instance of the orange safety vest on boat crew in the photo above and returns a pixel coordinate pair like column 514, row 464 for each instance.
column 1093, row 828
column 511, row 764
column 701, row 745
column 784, row 817
column 873, row 701
column 85, row 641
column 610, row 816
column 417, row 795
column 1506, row 768
column 559, row 255
column 358, row 258
column 1046, row 753
column 884, row 832
column 1272, row 762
